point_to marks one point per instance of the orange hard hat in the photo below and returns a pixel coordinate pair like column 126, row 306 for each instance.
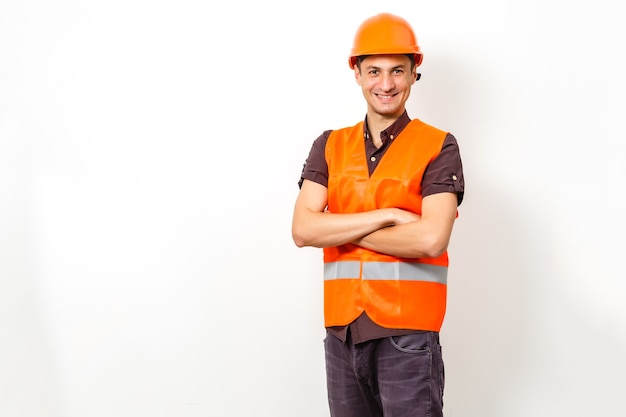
column 385, row 34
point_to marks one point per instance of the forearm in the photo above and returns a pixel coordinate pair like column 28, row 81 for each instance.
column 426, row 237
column 411, row 240
column 324, row 229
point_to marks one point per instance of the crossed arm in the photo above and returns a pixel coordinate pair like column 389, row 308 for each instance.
column 388, row 230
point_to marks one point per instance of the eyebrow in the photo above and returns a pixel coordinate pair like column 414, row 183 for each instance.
column 400, row 66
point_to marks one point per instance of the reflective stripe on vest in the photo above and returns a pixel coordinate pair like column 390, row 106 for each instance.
column 392, row 271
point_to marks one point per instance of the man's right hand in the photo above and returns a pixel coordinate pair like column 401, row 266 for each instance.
column 404, row 216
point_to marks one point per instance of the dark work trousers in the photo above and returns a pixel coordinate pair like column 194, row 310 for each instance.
column 398, row 376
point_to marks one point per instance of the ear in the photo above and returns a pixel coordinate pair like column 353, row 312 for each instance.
column 357, row 75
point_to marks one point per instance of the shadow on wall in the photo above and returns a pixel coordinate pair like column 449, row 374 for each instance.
column 516, row 341
column 485, row 330
column 30, row 381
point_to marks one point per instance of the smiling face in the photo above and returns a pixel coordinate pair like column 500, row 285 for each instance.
column 386, row 82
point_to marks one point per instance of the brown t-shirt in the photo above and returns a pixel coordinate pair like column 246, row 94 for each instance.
column 443, row 175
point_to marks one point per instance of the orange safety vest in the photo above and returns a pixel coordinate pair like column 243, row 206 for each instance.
column 400, row 293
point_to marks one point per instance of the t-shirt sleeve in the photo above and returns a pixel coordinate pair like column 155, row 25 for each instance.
column 445, row 173
column 315, row 167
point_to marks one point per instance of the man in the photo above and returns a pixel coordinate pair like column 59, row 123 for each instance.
column 381, row 198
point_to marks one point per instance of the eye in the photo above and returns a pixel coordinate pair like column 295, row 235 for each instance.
column 398, row 71
column 373, row 72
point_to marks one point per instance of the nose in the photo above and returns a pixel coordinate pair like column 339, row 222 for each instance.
column 386, row 82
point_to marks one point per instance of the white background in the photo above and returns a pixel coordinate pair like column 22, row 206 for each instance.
column 149, row 159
